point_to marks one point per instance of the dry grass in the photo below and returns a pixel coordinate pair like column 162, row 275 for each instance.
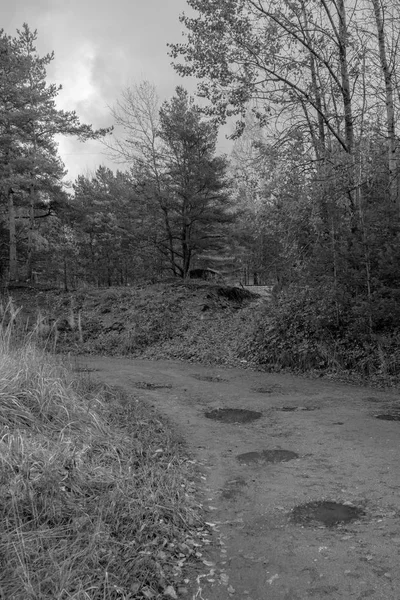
column 96, row 496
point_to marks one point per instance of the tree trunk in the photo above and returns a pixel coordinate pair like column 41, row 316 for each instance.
column 186, row 250
column 344, row 72
column 29, row 262
column 318, row 142
column 342, row 38
column 13, row 265
column 171, row 250
column 65, row 274
column 390, row 112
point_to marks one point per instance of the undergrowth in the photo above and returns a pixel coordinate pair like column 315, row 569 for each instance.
column 185, row 321
column 96, row 496
column 312, row 330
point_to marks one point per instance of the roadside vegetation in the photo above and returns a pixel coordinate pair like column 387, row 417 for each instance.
column 195, row 321
column 304, row 330
column 97, row 496
column 296, row 329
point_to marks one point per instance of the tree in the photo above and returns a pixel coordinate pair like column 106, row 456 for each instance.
column 388, row 72
column 31, row 169
column 303, row 64
column 274, row 194
column 136, row 113
column 140, row 148
column 183, row 185
column 197, row 194
column 106, row 218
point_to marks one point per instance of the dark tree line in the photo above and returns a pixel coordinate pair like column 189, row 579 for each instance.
column 31, row 171
column 169, row 206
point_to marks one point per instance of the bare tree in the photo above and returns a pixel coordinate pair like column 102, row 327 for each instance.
column 388, row 76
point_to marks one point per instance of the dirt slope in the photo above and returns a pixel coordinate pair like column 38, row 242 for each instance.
column 195, row 321
column 345, row 455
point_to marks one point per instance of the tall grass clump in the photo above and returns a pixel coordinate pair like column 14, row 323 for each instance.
column 96, row 497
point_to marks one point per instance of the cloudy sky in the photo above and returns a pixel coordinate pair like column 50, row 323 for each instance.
column 101, row 47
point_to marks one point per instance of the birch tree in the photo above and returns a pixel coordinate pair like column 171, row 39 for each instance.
column 138, row 146
column 303, row 64
column 388, row 66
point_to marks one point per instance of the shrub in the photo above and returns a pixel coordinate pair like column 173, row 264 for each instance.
column 320, row 329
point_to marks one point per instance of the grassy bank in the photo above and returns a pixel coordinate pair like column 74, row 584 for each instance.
column 96, row 495
column 300, row 331
column 195, row 321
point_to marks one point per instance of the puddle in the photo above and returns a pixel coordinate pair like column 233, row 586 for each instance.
column 233, row 488
column 233, row 415
column 266, row 456
column 388, row 417
column 338, row 423
column 144, row 385
column 325, row 512
column 211, row 378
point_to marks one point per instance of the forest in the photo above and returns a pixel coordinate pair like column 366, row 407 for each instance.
column 307, row 202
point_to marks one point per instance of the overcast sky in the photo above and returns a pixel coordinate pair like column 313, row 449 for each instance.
column 101, row 47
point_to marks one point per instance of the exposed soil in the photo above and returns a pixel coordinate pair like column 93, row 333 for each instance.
column 324, row 525
column 146, row 385
column 208, row 378
column 233, row 415
column 266, row 456
column 389, row 417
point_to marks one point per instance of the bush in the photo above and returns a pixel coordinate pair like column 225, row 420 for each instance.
column 318, row 329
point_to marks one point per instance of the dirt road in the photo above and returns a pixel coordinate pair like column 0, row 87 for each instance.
column 266, row 548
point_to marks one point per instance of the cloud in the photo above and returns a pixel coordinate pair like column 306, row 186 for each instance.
column 101, row 47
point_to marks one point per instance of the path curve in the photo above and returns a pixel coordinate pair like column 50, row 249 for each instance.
column 345, row 455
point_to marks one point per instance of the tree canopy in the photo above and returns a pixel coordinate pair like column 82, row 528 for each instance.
column 171, row 149
column 31, row 170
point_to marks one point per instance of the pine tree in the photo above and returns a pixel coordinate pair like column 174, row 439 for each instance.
column 31, row 170
column 197, row 201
